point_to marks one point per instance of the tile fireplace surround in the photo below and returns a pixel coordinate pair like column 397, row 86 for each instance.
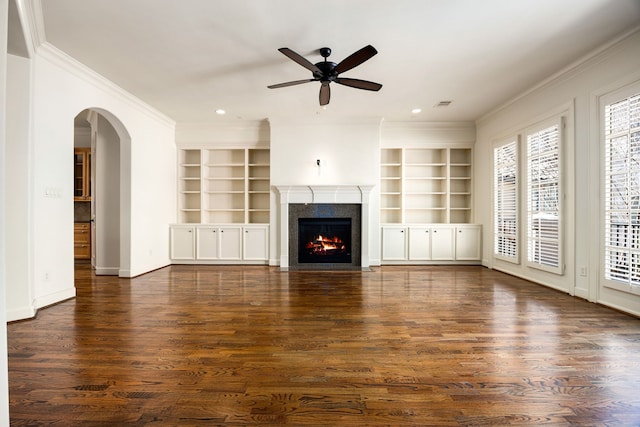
column 323, row 194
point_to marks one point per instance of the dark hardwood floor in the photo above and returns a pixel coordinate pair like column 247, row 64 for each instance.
column 423, row 346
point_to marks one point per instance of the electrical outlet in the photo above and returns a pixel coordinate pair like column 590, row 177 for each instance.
column 583, row 271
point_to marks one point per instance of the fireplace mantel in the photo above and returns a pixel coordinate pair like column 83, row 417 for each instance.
column 359, row 194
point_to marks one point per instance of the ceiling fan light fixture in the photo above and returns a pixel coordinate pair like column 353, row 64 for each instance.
column 327, row 71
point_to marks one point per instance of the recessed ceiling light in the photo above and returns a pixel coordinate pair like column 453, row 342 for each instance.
column 416, row 111
column 220, row 111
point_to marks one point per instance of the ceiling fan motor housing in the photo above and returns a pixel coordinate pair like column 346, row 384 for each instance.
column 328, row 71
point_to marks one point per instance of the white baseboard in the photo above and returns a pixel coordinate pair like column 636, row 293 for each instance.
column 107, row 271
column 21, row 313
column 54, row 298
column 581, row 293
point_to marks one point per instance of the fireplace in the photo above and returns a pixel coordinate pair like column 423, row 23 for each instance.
column 324, row 236
column 324, row 240
column 323, row 202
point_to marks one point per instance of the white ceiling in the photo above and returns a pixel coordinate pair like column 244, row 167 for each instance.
column 188, row 58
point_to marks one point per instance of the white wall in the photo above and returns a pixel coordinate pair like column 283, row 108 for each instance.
column 107, row 195
column 16, row 190
column 61, row 89
column 4, row 373
column 348, row 150
column 572, row 91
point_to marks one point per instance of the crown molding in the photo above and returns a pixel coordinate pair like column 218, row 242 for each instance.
column 57, row 57
column 30, row 12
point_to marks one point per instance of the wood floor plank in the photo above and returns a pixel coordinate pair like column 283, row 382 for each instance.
column 232, row 345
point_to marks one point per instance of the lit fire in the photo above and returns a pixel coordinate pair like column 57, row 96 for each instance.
column 321, row 245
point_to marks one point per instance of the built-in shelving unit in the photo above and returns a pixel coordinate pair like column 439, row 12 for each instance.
column 258, row 186
column 224, row 186
column 459, row 185
column 189, row 186
column 391, row 185
column 425, row 185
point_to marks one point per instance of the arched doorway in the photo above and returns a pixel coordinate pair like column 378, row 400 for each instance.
column 110, row 208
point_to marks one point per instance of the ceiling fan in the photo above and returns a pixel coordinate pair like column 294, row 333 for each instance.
column 326, row 71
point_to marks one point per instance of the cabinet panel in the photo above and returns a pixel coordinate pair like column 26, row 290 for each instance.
column 230, row 243
column 255, row 244
column 442, row 243
column 219, row 243
column 82, row 241
column 394, row 243
column 468, row 243
column 207, row 243
column 419, row 243
column 183, row 243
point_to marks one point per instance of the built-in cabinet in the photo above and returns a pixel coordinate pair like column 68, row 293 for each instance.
column 82, row 174
column 82, row 240
column 431, row 243
column 425, row 206
column 223, row 206
column 209, row 244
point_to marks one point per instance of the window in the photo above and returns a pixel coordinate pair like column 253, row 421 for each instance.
column 544, row 204
column 622, row 193
column 505, row 201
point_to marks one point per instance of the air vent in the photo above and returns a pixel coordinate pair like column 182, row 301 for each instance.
column 442, row 104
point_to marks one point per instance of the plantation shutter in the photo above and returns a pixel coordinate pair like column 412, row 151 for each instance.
column 505, row 201
column 544, row 214
column 622, row 191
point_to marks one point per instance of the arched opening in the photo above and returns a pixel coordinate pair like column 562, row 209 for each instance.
column 105, row 207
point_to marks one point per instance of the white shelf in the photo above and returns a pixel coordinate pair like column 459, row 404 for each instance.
column 224, row 185
column 425, row 185
column 224, row 192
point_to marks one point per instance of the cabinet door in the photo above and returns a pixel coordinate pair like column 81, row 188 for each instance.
column 442, row 243
column 255, row 244
column 207, row 243
column 182, row 243
column 230, row 243
column 468, row 243
column 82, row 174
column 419, row 243
column 394, row 243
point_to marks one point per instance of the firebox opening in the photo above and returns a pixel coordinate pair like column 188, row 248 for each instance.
column 324, row 240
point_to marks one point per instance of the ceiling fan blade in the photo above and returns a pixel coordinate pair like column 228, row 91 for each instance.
column 293, row 83
column 325, row 93
column 296, row 57
column 358, row 84
column 356, row 59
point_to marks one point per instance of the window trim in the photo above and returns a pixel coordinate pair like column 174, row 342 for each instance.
column 515, row 140
column 606, row 99
column 558, row 121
